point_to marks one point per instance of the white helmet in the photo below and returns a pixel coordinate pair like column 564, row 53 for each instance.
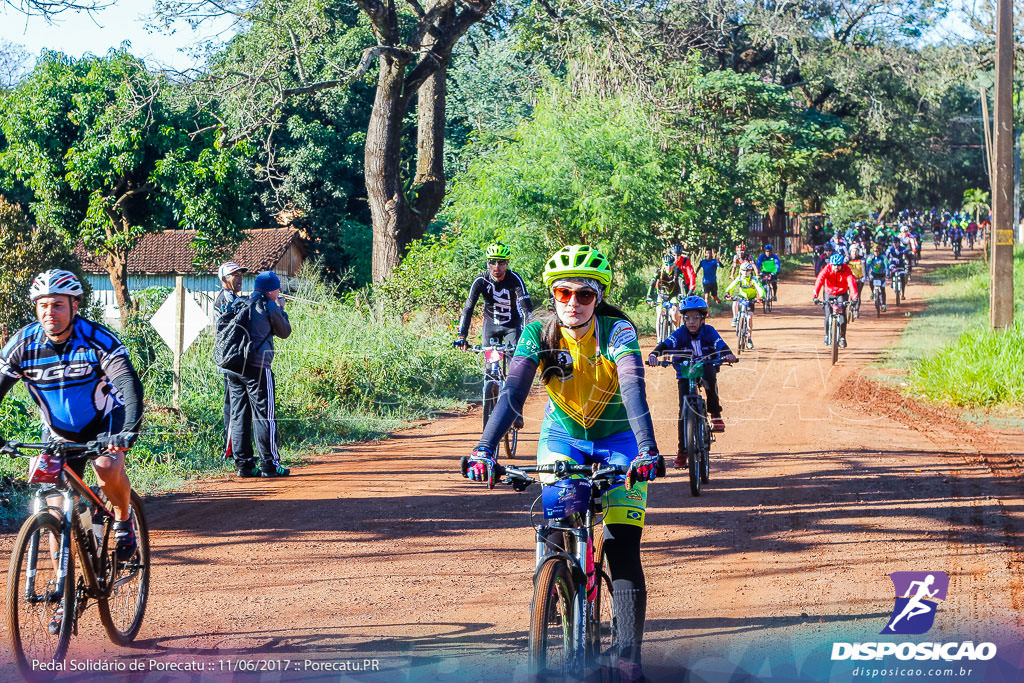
column 55, row 282
column 747, row 265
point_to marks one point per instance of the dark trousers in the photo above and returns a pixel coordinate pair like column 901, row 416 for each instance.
column 227, row 417
column 500, row 334
column 253, row 415
column 845, row 296
column 714, row 403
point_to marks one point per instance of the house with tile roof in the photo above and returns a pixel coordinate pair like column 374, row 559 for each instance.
column 159, row 257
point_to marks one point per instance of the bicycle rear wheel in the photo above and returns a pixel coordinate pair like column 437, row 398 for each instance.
column 705, row 451
column 551, row 618
column 693, row 450
column 122, row 610
column 40, row 608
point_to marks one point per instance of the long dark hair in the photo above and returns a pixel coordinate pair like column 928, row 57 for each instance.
column 551, row 337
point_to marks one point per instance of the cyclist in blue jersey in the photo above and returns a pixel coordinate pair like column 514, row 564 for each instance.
column 709, row 278
column 80, row 376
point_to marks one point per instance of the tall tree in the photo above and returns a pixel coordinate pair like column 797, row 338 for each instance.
column 414, row 43
column 108, row 159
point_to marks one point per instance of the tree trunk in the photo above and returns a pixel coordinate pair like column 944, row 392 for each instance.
column 430, row 180
column 117, row 268
column 388, row 208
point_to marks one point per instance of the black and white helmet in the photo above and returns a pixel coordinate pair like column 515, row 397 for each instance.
column 55, row 282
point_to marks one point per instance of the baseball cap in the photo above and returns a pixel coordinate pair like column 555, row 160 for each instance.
column 228, row 268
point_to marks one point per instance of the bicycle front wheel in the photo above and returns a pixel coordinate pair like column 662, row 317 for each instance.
column 551, row 618
column 834, row 338
column 122, row 610
column 603, row 632
column 40, row 606
column 693, row 449
column 491, row 390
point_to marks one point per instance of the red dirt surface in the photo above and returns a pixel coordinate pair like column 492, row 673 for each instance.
column 822, row 485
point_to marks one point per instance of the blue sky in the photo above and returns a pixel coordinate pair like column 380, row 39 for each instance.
column 77, row 34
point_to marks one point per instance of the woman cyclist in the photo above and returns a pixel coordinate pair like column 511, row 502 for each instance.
column 589, row 359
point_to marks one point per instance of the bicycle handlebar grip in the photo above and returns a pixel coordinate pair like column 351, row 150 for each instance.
column 660, row 471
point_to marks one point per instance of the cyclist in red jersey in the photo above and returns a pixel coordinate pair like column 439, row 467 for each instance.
column 685, row 266
column 839, row 283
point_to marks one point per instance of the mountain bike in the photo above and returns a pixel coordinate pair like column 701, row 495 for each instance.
column 495, row 373
column 956, row 249
column 44, row 600
column 898, row 278
column 766, row 282
column 970, row 239
column 572, row 624
column 697, row 435
column 937, row 238
column 744, row 323
column 837, row 314
column 663, row 324
column 877, row 291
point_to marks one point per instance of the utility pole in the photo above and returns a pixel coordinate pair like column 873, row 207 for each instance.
column 1001, row 291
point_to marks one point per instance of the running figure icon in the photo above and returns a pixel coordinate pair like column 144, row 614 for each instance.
column 917, row 596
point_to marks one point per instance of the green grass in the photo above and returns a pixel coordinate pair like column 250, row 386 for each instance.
column 951, row 355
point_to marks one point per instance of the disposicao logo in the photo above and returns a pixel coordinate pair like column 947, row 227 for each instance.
column 917, row 596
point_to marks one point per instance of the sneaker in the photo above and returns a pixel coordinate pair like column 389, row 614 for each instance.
column 248, row 472
column 125, row 542
column 717, row 424
column 883, row 308
column 828, row 342
column 842, row 342
column 278, row 471
column 733, row 323
column 680, row 462
column 750, row 343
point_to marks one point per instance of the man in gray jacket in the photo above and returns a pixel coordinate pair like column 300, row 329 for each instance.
column 252, row 411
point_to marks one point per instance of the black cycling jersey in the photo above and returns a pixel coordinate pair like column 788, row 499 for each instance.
column 506, row 302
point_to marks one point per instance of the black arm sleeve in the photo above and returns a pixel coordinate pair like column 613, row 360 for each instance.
column 467, row 309
column 6, row 384
column 510, row 402
column 634, row 397
column 130, row 387
column 278, row 319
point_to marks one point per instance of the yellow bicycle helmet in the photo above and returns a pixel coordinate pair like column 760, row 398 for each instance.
column 578, row 260
column 499, row 251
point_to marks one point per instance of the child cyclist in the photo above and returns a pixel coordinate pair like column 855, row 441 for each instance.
column 746, row 287
column 696, row 335
column 588, row 355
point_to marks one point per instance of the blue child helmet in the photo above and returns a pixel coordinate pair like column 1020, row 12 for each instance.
column 694, row 303
column 836, row 259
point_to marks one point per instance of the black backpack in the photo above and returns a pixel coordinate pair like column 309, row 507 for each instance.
column 232, row 345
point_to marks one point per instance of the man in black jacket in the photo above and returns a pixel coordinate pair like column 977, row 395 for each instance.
column 230, row 275
column 252, row 410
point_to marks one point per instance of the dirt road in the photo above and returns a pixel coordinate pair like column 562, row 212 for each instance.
column 821, row 487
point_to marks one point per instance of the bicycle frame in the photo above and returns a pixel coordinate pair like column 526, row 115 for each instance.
column 72, row 489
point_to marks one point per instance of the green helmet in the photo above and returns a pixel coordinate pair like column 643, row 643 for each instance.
column 578, row 260
column 499, row 251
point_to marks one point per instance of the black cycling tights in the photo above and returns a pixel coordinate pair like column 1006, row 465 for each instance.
column 622, row 553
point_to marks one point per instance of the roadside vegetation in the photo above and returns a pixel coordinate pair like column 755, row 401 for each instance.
column 950, row 354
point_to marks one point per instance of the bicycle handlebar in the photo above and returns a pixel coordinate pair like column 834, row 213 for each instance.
column 504, row 348
column 92, row 449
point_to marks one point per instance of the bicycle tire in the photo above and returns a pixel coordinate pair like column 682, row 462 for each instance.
column 551, row 613
column 834, row 338
column 122, row 624
column 693, row 450
column 511, row 442
column 741, row 326
column 602, row 633
column 897, row 290
column 490, row 395
column 878, row 303
column 24, row 620
column 663, row 325
column 705, row 451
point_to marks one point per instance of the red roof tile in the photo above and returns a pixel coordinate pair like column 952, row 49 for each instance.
column 170, row 251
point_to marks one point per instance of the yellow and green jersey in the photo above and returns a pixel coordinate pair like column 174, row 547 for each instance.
column 583, row 392
column 749, row 288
